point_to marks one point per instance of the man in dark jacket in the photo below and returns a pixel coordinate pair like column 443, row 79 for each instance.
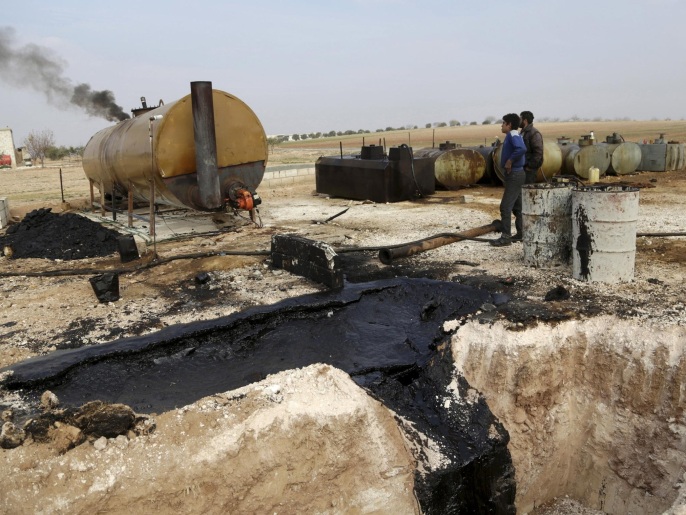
column 512, row 162
column 534, row 146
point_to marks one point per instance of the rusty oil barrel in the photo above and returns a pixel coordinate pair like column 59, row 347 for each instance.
column 547, row 223
column 454, row 168
column 604, row 222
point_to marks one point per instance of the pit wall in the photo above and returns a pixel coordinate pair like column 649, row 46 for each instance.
column 594, row 408
column 286, row 175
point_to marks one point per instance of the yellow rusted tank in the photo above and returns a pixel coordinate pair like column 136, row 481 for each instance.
column 552, row 162
column 160, row 147
column 456, row 167
column 487, row 152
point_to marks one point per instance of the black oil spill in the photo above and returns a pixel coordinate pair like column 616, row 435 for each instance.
column 584, row 243
column 387, row 335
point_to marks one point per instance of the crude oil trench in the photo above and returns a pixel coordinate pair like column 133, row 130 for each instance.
column 592, row 408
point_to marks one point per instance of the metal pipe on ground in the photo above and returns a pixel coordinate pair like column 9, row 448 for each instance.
column 386, row 256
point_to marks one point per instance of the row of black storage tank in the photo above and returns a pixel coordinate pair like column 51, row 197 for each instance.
column 404, row 174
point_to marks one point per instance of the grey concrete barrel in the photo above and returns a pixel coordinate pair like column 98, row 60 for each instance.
column 604, row 233
column 547, row 224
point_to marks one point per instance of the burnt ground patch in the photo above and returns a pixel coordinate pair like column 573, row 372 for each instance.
column 67, row 236
column 79, row 329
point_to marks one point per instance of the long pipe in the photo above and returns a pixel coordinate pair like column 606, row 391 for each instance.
column 388, row 255
column 205, row 144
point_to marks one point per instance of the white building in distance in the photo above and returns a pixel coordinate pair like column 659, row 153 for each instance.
column 7, row 147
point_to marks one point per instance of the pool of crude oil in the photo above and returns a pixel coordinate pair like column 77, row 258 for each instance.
column 386, row 334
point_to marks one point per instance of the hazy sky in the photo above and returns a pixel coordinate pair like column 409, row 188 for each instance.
column 309, row 66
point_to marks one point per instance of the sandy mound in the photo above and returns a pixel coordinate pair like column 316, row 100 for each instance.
column 302, row 441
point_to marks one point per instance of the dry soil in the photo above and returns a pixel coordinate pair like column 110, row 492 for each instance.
column 582, row 384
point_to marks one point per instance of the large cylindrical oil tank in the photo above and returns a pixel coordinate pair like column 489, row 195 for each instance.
column 552, row 162
column 604, row 233
column 489, row 176
column 455, row 167
column 674, row 156
column 577, row 160
column 159, row 146
column 625, row 157
column 547, row 223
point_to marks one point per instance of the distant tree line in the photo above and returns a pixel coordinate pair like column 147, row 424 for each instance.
column 488, row 120
column 62, row 152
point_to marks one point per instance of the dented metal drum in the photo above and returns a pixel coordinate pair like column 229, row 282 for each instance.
column 455, row 167
column 547, row 224
column 604, row 233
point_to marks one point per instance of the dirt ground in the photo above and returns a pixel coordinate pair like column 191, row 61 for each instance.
column 228, row 435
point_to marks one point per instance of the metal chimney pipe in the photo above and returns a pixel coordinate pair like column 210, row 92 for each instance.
column 205, row 144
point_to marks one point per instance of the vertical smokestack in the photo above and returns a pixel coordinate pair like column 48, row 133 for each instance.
column 205, row 144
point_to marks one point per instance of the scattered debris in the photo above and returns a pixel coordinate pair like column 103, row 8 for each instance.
column 49, row 400
column 106, row 286
column 331, row 217
column 313, row 259
column 557, row 293
column 11, row 436
column 203, row 278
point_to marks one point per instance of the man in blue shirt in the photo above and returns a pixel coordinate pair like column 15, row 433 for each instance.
column 512, row 163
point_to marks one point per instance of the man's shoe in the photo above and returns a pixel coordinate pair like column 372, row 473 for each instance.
column 517, row 237
column 501, row 242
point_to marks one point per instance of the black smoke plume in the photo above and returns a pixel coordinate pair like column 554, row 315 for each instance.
column 38, row 68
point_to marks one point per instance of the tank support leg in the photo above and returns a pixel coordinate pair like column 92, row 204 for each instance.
column 102, row 199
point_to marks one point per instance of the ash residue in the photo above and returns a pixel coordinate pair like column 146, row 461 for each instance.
column 43, row 234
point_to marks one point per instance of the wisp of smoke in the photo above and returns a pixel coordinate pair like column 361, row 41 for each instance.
column 37, row 67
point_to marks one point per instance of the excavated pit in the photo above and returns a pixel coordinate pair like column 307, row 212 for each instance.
column 387, row 335
column 594, row 409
